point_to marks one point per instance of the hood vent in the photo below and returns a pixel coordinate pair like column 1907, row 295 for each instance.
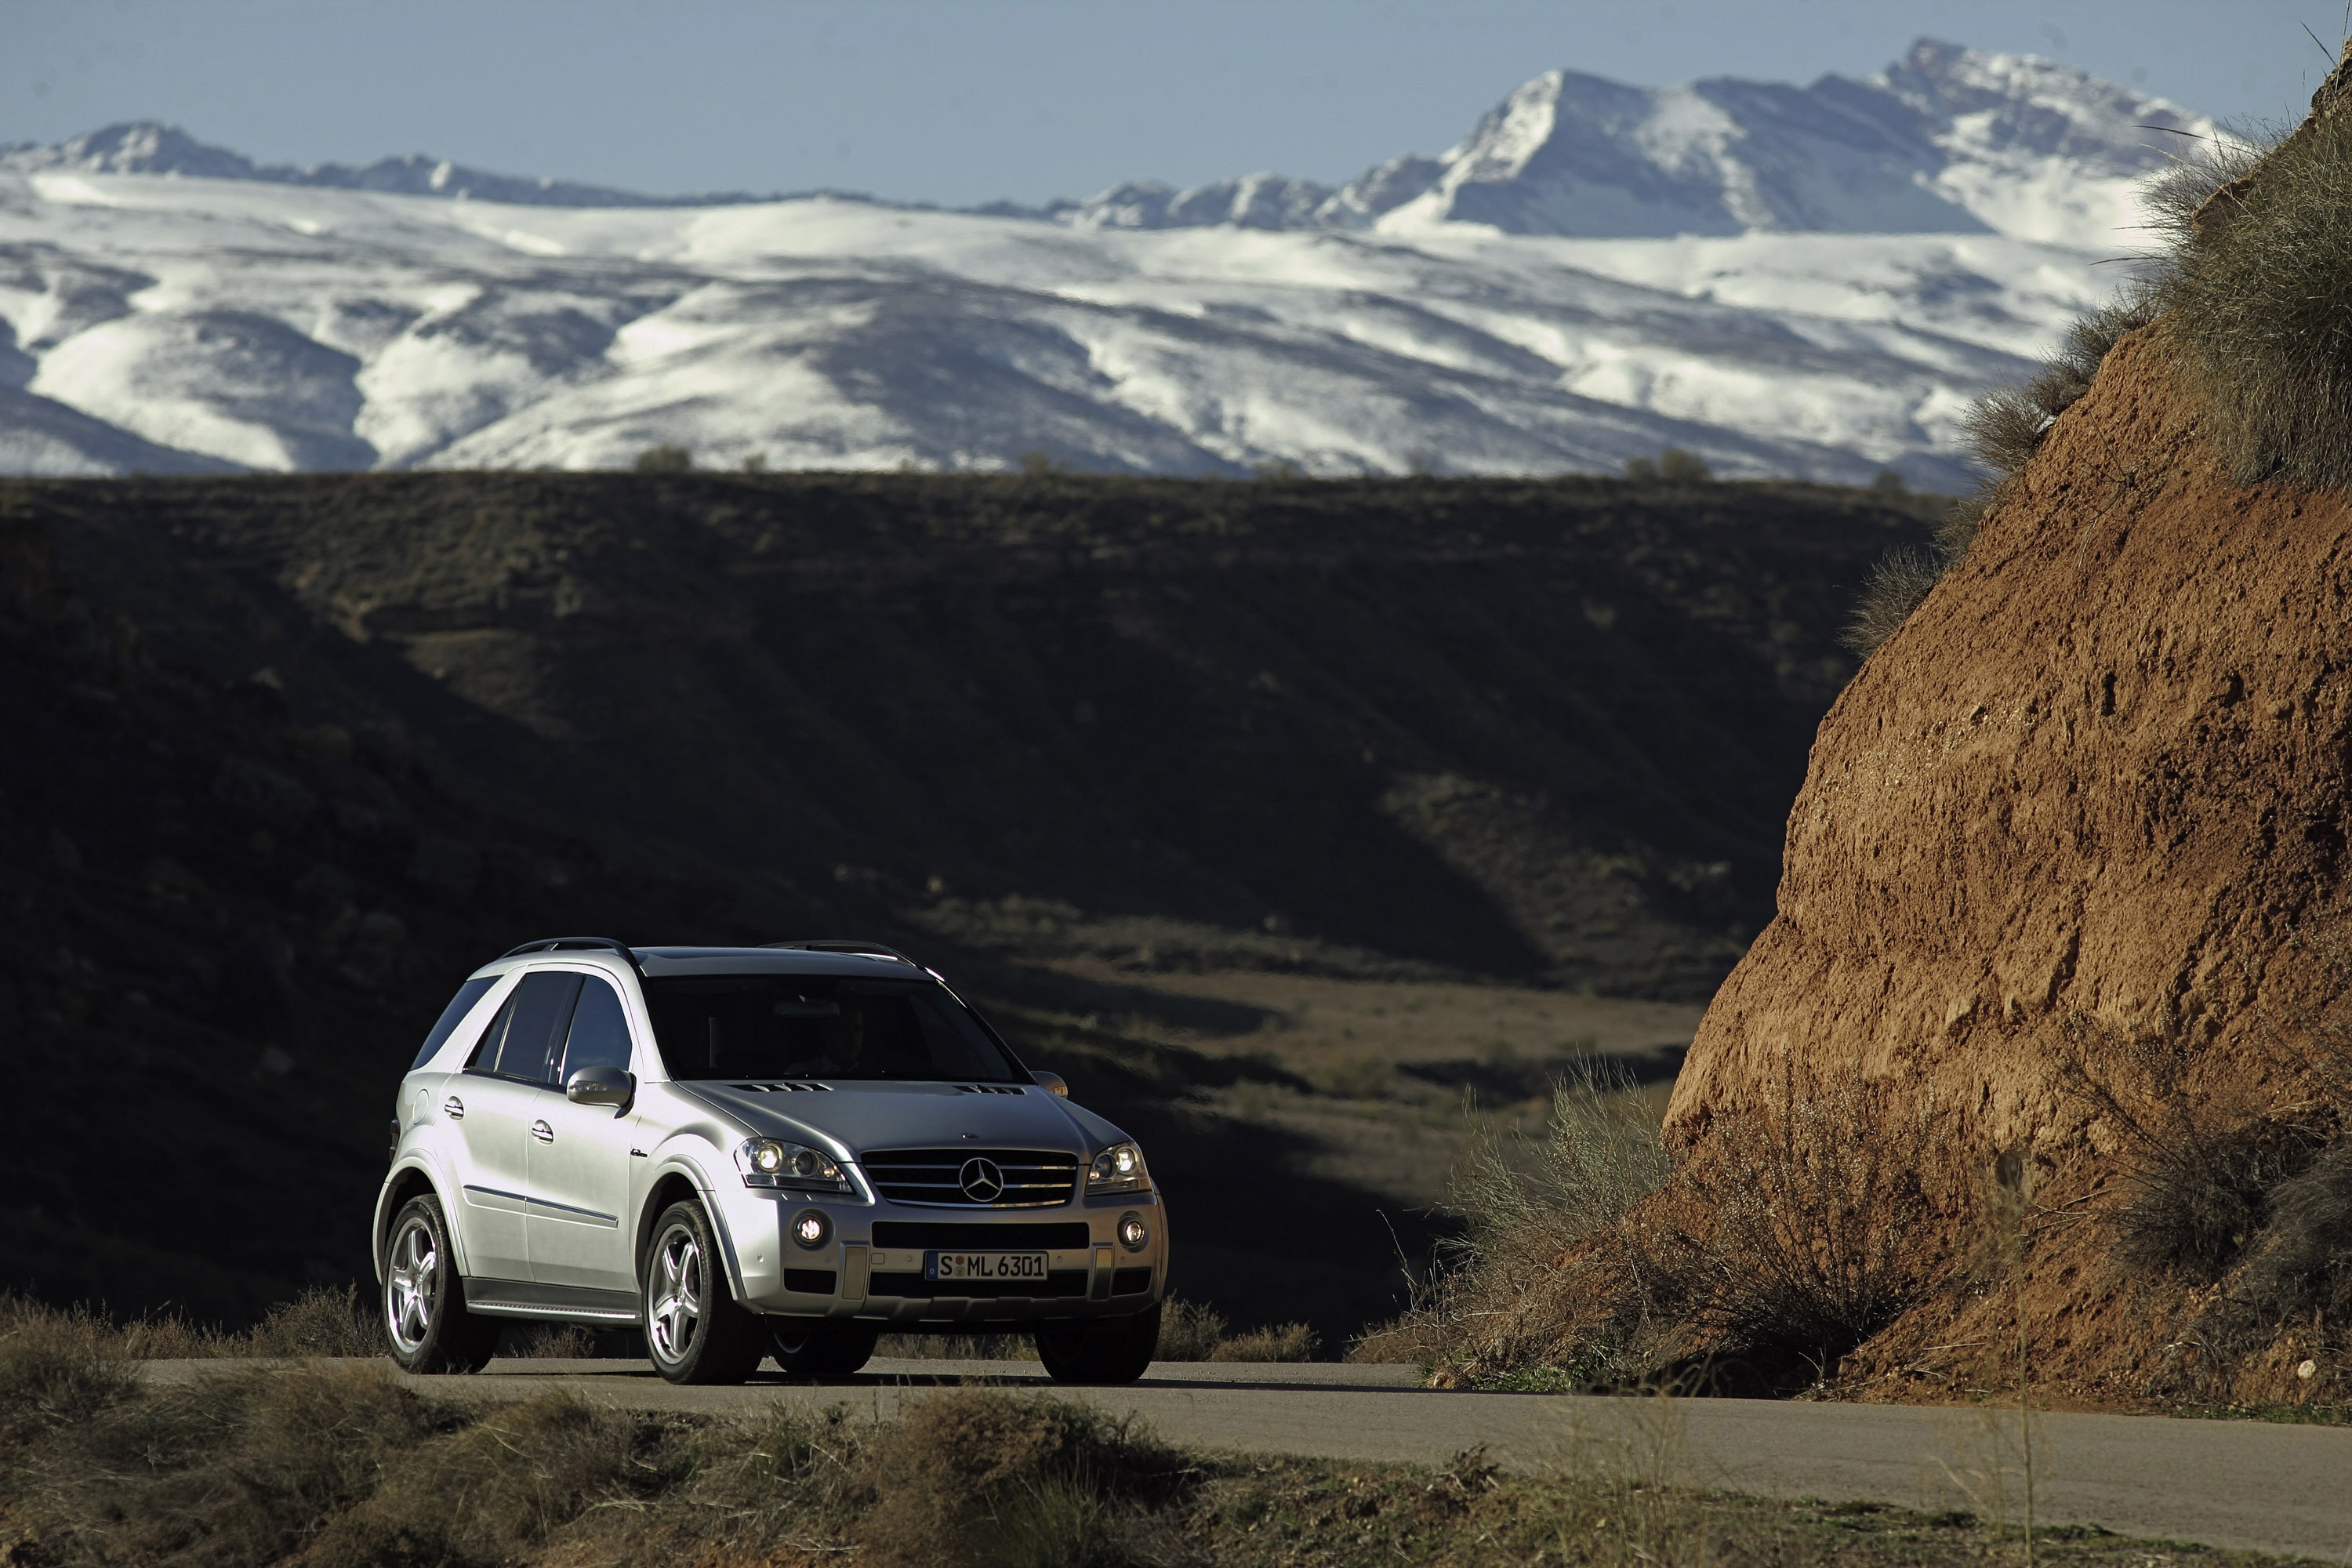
column 989, row 1088
column 783, row 1087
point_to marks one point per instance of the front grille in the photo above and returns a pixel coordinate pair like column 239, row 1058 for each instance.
column 1063, row 1283
column 949, row 1237
column 1033, row 1178
column 809, row 1282
column 1130, row 1281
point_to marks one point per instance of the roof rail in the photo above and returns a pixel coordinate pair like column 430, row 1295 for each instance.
column 569, row 943
column 856, row 946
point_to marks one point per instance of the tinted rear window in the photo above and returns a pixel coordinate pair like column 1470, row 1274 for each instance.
column 452, row 1015
column 760, row 1027
column 526, row 1039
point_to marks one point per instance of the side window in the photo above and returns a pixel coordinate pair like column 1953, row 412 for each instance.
column 484, row 1057
column 600, row 1032
column 538, row 1018
column 451, row 1016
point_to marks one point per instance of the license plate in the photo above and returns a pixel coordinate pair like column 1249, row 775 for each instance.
column 983, row 1266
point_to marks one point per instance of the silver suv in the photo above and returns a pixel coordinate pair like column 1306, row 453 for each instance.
column 781, row 1150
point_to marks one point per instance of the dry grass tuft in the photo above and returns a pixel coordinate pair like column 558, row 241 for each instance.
column 979, row 1477
column 2257, row 291
column 57, row 1367
column 1548, row 1254
column 1889, row 594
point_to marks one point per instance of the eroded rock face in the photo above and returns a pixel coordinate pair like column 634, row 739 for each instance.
column 2098, row 779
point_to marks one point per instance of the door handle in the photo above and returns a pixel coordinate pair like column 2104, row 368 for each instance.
column 453, row 1109
column 542, row 1132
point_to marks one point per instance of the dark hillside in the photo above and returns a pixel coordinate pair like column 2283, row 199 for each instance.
column 223, row 934
column 1539, row 730
column 284, row 759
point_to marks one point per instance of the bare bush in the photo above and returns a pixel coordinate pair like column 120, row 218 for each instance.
column 2201, row 1160
column 1798, row 1225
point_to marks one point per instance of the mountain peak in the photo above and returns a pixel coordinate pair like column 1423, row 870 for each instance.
column 1946, row 139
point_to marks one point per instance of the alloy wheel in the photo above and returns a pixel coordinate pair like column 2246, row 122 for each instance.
column 677, row 1294
column 410, row 1277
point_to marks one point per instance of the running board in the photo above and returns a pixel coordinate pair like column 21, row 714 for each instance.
column 564, row 1303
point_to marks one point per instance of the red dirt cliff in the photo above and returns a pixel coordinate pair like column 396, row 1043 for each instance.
column 2094, row 789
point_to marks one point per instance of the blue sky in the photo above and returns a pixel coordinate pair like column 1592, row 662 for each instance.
column 965, row 101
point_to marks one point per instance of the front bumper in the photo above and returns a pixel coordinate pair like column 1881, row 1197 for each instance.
column 871, row 1268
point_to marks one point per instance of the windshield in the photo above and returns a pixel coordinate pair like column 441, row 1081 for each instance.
column 752, row 1026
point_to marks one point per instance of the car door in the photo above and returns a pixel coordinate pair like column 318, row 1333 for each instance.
column 579, row 1159
column 503, row 1089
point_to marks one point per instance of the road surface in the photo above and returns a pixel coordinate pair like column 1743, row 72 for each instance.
column 2247, row 1484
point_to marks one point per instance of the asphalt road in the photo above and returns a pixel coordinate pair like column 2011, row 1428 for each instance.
column 2245, row 1484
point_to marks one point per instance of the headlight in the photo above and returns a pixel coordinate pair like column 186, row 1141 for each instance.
column 1118, row 1169
column 769, row 1162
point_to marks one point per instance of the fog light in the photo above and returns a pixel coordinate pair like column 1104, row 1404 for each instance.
column 811, row 1229
column 1133, row 1234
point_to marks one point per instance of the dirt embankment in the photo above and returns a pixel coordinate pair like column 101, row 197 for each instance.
column 2072, row 843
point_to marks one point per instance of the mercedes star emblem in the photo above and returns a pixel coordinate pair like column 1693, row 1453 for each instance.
column 982, row 1181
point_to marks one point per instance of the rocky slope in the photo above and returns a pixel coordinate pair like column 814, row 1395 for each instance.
column 2069, row 856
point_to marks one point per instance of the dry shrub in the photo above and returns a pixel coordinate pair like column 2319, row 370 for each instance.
column 1281, row 1341
column 2257, row 289
column 2200, row 1159
column 2247, row 1199
column 240, row 1466
column 980, row 1477
column 319, row 1322
column 56, row 1367
column 1547, row 1255
column 2302, row 1262
column 506, row 1483
column 1192, row 1331
column 1189, row 1330
column 1784, row 1237
column 1798, row 1229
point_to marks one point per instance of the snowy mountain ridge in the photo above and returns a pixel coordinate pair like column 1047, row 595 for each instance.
column 1809, row 281
column 1947, row 140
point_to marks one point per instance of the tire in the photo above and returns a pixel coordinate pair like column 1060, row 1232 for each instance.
column 425, row 1316
column 1116, row 1352
column 694, row 1329
column 803, row 1348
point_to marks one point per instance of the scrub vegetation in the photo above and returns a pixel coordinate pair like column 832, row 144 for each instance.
column 1776, row 1248
column 338, row 1466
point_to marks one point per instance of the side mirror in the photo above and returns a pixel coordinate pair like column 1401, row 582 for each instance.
column 1052, row 1083
column 600, row 1086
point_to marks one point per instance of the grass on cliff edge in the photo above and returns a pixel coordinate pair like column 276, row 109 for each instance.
column 341, row 1467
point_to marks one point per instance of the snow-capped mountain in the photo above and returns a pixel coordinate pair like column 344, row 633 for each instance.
column 1947, row 140
column 1812, row 282
column 145, row 147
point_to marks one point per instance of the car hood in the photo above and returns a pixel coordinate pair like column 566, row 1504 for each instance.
column 851, row 1118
